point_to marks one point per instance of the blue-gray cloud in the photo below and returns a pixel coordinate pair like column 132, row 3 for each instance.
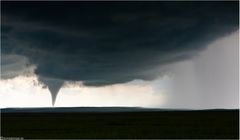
column 103, row 43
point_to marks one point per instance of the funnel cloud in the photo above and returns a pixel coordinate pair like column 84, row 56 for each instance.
column 53, row 86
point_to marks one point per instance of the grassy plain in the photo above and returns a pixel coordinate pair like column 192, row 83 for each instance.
column 157, row 124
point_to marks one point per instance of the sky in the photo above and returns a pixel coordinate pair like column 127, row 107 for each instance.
column 146, row 54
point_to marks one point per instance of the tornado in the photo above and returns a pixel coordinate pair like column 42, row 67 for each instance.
column 53, row 86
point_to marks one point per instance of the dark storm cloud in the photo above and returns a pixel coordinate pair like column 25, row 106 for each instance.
column 102, row 43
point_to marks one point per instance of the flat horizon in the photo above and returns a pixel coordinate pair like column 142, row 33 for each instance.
column 105, row 109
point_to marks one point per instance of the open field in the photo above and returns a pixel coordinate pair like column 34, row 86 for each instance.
column 150, row 124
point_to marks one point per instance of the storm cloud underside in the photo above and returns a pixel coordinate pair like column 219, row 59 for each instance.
column 104, row 43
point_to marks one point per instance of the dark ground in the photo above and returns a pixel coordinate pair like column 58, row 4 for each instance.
column 154, row 124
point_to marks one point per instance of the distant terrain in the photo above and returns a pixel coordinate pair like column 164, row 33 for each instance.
column 120, row 122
